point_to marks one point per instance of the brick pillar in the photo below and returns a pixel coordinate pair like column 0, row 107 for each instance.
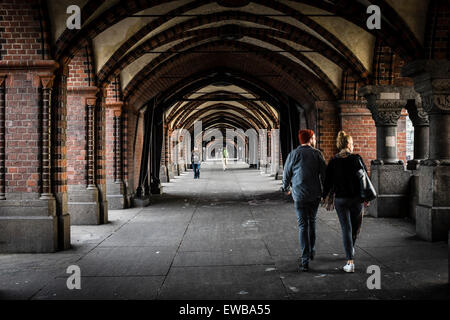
column 388, row 174
column 28, row 221
column 432, row 82
column 115, row 183
column 170, row 165
column 46, row 191
column 83, row 193
column 2, row 138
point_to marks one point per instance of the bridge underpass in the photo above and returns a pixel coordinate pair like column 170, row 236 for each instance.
column 97, row 124
column 228, row 235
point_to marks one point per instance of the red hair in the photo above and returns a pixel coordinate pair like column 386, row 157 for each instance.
column 304, row 136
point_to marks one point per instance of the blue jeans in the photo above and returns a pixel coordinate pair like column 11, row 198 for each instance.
column 306, row 218
column 196, row 168
column 349, row 211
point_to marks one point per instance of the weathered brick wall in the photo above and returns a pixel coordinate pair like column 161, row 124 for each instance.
column 437, row 34
column 357, row 121
column 76, row 140
column 328, row 127
column 80, row 77
column 22, row 135
column 110, row 143
column 401, row 136
column 23, row 31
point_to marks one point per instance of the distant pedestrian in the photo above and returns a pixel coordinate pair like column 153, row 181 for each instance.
column 196, row 159
column 304, row 174
column 342, row 181
column 225, row 159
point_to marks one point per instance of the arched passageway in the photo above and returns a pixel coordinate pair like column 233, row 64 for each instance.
column 104, row 117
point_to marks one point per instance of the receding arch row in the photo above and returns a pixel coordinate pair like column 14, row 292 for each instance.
column 404, row 42
column 264, row 35
column 181, row 113
column 343, row 58
column 308, row 88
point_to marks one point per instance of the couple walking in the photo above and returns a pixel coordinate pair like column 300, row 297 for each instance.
column 309, row 180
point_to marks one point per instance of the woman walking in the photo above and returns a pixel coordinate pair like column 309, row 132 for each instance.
column 341, row 179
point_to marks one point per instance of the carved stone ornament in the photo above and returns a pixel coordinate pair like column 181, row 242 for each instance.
column 417, row 114
column 386, row 113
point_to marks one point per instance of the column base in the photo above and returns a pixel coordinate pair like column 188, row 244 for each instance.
column 156, row 188
column 170, row 170
column 83, row 205
column 279, row 174
column 392, row 184
column 414, row 194
column 64, row 232
column 163, row 174
column 433, row 208
column 116, row 196
column 141, row 202
column 413, row 164
column 28, row 226
column 432, row 223
column 36, row 234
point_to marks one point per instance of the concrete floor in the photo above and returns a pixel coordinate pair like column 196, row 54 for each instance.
column 229, row 235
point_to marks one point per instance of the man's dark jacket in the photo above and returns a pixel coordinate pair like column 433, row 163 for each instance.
column 305, row 170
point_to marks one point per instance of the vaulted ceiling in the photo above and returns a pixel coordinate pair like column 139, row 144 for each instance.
column 300, row 48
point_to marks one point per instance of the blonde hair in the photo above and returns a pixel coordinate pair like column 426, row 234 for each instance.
column 343, row 140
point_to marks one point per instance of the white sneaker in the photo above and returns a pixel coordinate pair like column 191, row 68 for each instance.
column 349, row 267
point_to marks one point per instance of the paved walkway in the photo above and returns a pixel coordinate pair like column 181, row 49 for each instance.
column 229, row 235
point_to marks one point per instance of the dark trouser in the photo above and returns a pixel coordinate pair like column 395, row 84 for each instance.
column 196, row 168
column 306, row 217
column 349, row 211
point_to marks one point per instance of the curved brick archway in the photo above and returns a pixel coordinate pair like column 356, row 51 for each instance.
column 53, row 111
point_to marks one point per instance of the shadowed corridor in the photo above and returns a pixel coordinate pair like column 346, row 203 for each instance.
column 229, row 235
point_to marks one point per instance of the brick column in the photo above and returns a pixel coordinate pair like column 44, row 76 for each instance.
column 432, row 81
column 83, row 192
column 91, row 143
column 388, row 174
column 46, row 190
column 28, row 220
column 2, row 137
column 115, row 184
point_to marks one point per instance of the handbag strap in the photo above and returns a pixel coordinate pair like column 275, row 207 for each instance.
column 362, row 165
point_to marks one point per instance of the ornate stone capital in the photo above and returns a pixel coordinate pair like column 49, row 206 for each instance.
column 385, row 103
column 386, row 112
column 432, row 81
column 47, row 81
column 416, row 113
column 91, row 101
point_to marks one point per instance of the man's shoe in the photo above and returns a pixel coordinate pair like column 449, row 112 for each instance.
column 349, row 267
column 304, row 268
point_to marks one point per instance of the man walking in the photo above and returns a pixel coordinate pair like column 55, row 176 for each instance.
column 195, row 159
column 303, row 176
